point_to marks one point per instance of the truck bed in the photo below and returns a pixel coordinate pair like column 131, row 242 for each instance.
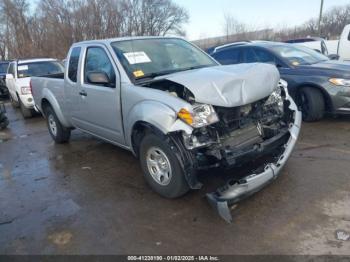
column 50, row 85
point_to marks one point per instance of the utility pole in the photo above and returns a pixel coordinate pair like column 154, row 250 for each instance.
column 320, row 19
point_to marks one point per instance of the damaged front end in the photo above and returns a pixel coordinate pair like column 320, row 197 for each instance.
column 239, row 135
column 237, row 115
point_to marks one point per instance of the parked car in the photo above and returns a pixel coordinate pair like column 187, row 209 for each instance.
column 317, row 83
column 316, row 43
column 3, row 69
column 176, row 109
column 18, row 78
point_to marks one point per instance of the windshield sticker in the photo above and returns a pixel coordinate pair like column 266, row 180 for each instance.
column 138, row 73
column 137, row 58
column 22, row 67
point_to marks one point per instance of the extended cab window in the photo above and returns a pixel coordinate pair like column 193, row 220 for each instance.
column 229, row 56
column 98, row 61
column 73, row 64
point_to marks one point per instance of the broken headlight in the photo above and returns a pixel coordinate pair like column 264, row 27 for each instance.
column 202, row 115
column 275, row 99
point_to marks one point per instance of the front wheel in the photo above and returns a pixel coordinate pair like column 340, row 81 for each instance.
column 312, row 104
column 58, row 132
column 161, row 167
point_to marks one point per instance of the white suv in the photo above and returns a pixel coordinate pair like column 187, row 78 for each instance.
column 18, row 80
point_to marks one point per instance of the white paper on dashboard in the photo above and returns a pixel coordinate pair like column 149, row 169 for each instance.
column 22, row 67
column 137, row 58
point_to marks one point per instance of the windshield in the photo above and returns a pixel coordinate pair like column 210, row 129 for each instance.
column 3, row 68
column 299, row 55
column 148, row 58
column 39, row 69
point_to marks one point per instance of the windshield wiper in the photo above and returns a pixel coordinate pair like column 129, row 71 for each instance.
column 167, row 72
column 153, row 75
column 193, row 68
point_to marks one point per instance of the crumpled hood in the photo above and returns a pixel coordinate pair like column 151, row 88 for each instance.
column 231, row 85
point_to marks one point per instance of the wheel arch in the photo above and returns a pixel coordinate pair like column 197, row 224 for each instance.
column 186, row 159
column 326, row 96
column 155, row 116
column 49, row 99
column 44, row 104
column 139, row 130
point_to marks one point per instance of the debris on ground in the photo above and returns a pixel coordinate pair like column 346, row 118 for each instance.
column 342, row 235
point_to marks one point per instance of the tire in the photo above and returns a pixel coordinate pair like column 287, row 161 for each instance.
column 13, row 102
column 58, row 132
column 312, row 104
column 4, row 122
column 26, row 112
column 4, row 92
column 172, row 186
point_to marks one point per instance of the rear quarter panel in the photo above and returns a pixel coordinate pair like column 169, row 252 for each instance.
column 51, row 90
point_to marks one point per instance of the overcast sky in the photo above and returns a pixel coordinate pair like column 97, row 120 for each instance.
column 206, row 16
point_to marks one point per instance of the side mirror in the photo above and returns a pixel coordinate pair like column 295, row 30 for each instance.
column 9, row 76
column 98, row 78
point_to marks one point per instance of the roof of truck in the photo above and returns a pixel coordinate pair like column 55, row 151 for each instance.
column 118, row 39
column 33, row 60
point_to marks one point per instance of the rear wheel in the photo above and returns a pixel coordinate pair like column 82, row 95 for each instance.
column 14, row 103
column 312, row 104
column 58, row 132
column 161, row 167
column 3, row 121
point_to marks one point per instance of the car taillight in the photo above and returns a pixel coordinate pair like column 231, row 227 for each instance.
column 26, row 90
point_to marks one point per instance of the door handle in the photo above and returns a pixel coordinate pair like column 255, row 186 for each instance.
column 83, row 93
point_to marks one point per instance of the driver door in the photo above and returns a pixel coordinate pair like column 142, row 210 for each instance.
column 100, row 112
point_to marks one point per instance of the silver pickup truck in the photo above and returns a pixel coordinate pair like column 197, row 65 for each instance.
column 177, row 110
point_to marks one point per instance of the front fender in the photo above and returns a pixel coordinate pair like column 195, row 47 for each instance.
column 157, row 114
column 48, row 95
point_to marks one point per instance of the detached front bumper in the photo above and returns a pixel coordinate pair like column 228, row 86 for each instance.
column 235, row 191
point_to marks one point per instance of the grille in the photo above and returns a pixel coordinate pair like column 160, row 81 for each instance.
column 235, row 117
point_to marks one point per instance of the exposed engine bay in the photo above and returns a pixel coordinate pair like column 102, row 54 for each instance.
column 172, row 88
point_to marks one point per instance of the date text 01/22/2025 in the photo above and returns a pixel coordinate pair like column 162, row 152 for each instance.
column 173, row 258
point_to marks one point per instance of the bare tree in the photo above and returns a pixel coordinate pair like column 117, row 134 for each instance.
column 16, row 27
column 56, row 24
column 231, row 26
